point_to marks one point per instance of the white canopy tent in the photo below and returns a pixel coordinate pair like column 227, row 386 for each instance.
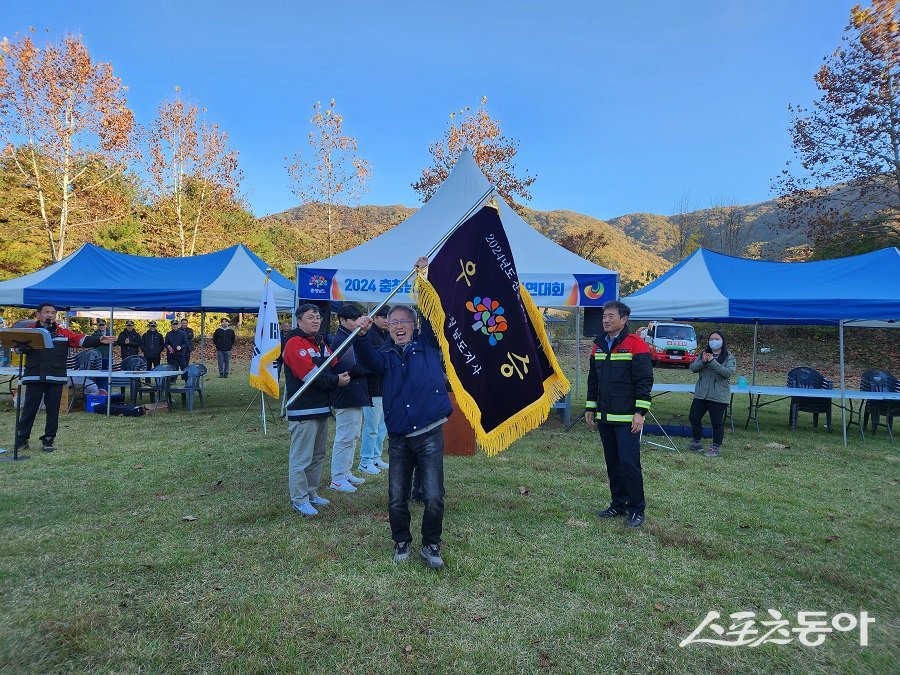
column 553, row 275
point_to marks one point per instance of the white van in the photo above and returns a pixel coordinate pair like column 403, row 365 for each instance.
column 671, row 342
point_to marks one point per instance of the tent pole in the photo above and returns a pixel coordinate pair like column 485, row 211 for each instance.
column 843, row 411
column 203, row 347
column 109, row 379
column 755, row 331
column 577, row 352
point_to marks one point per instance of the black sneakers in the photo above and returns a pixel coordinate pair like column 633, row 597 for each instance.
column 431, row 554
column 47, row 445
column 635, row 520
column 611, row 512
column 401, row 551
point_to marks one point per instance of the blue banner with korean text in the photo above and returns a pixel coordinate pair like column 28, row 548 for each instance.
column 500, row 364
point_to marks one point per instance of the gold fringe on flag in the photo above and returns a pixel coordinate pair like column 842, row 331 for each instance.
column 532, row 416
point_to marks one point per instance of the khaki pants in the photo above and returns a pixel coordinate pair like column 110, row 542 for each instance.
column 347, row 427
column 307, row 455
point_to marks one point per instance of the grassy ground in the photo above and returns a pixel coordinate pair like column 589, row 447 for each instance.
column 99, row 570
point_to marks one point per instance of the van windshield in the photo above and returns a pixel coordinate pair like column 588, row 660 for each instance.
column 676, row 333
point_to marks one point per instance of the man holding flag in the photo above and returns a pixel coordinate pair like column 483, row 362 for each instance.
column 485, row 328
column 489, row 334
column 416, row 406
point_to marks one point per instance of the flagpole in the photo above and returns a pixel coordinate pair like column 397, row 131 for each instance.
column 346, row 343
column 262, row 398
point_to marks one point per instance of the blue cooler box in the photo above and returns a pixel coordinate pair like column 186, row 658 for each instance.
column 92, row 401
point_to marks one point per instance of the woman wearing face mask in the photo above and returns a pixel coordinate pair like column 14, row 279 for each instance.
column 716, row 365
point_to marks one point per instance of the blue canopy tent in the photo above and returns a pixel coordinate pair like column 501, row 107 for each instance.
column 229, row 280
column 715, row 287
column 862, row 290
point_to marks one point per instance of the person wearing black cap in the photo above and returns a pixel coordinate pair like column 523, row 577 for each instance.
column 102, row 329
column 152, row 345
column 176, row 347
column 45, row 375
column 129, row 341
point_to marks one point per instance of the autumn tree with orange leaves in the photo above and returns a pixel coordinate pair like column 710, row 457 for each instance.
column 332, row 175
column 192, row 170
column 68, row 132
column 851, row 137
column 493, row 152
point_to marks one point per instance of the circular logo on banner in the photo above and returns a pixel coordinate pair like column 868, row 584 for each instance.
column 302, row 352
column 595, row 291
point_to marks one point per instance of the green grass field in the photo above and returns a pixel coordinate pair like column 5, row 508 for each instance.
column 99, row 571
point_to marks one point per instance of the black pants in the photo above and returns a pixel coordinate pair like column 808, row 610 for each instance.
column 51, row 394
column 622, row 451
column 425, row 454
column 716, row 410
column 152, row 362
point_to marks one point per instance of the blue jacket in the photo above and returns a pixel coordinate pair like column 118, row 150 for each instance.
column 414, row 390
column 356, row 393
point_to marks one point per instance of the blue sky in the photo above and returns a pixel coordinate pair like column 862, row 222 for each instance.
column 618, row 107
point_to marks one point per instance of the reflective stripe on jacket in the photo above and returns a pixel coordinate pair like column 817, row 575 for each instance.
column 620, row 379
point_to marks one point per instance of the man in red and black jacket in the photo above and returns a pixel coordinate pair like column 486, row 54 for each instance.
column 304, row 353
column 45, row 375
column 618, row 396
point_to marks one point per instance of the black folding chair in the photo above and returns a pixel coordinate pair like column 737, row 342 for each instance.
column 808, row 378
column 194, row 373
column 880, row 380
column 157, row 386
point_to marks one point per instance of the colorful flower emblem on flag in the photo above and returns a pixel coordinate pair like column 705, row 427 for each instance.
column 317, row 280
column 489, row 319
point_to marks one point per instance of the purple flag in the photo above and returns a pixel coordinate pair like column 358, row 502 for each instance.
column 500, row 364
